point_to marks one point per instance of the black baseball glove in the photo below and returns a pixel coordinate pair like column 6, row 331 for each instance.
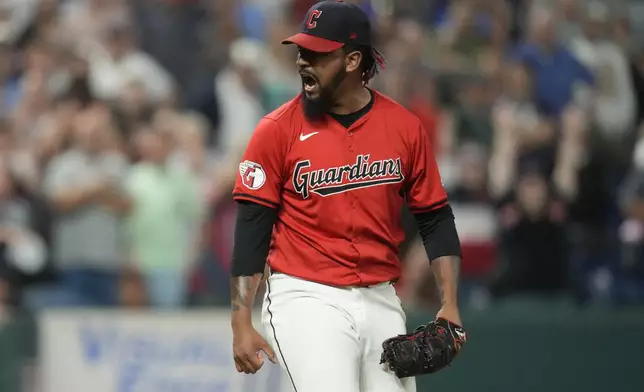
column 428, row 349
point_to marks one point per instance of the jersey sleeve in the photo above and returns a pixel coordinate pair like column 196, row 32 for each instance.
column 260, row 175
column 424, row 188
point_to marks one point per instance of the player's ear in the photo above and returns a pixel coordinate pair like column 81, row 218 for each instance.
column 352, row 61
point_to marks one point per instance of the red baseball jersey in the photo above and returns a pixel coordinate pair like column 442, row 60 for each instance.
column 340, row 191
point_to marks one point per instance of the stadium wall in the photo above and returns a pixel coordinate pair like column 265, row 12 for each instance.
column 519, row 346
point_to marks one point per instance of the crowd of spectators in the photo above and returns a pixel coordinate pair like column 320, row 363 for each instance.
column 122, row 123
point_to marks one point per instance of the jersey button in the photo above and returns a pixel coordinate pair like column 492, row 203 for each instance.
column 350, row 134
column 351, row 148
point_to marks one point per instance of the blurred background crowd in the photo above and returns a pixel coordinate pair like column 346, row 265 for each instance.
column 122, row 123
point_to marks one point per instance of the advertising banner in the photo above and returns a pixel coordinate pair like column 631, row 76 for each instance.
column 145, row 352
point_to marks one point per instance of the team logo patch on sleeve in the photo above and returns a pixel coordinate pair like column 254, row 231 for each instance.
column 252, row 175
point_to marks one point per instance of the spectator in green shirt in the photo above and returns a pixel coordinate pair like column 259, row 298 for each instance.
column 166, row 205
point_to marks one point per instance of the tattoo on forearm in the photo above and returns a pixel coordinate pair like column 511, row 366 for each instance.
column 243, row 290
column 446, row 270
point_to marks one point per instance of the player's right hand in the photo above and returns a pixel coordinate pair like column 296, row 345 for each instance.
column 247, row 347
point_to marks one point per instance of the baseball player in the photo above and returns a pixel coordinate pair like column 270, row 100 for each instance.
column 320, row 189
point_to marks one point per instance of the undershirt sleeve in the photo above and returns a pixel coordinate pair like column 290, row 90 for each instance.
column 438, row 232
column 253, row 231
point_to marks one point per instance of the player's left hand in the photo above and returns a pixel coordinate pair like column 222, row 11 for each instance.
column 450, row 313
column 428, row 349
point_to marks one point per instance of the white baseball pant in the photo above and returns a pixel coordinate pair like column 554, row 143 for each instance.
column 329, row 339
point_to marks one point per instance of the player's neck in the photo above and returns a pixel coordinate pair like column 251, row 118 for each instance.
column 351, row 101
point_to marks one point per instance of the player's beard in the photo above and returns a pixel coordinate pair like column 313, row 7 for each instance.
column 316, row 108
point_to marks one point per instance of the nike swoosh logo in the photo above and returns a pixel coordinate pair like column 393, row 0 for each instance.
column 303, row 137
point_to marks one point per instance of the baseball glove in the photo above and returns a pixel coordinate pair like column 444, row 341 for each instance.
column 428, row 349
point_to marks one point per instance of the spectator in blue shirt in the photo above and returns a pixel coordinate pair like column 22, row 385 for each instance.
column 556, row 72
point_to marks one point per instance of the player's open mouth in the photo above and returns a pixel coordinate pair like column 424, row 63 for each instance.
column 309, row 83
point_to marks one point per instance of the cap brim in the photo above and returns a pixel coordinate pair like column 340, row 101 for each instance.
column 313, row 43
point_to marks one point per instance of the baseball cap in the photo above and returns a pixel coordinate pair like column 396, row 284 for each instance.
column 330, row 25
